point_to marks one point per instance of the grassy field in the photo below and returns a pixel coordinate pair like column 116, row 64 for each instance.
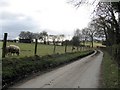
column 110, row 77
column 94, row 44
column 27, row 49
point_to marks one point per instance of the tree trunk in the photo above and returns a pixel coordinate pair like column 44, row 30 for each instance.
column 119, row 22
column 92, row 40
column 44, row 41
column 62, row 42
column 116, row 26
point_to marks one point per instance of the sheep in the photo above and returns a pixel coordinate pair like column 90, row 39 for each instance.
column 11, row 49
column 7, row 50
column 14, row 49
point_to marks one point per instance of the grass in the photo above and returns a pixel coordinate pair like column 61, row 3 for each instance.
column 17, row 68
column 28, row 49
column 95, row 44
column 109, row 72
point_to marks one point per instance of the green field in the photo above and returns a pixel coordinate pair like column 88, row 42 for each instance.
column 95, row 44
column 27, row 49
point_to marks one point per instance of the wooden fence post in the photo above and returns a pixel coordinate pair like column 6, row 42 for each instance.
column 35, row 46
column 4, row 45
column 54, row 47
column 65, row 46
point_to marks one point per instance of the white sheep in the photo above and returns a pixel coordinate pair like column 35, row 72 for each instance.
column 7, row 50
column 12, row 49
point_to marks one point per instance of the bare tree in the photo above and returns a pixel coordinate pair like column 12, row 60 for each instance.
column 105, row 16
column 85, row 35
column 92, row 31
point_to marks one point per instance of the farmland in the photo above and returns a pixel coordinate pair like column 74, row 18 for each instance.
column 27, row 49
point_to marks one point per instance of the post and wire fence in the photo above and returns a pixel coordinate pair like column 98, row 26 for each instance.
column 5, row 43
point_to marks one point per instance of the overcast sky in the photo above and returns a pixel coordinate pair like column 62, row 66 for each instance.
column 53, row 16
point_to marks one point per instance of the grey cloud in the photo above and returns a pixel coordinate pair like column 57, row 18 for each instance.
column 13, row 25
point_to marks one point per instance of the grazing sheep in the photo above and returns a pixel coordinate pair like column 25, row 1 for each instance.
column 7, row 50
column 12, row 49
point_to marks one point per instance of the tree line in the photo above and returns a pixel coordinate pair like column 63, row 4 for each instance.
column 41, row 36
column 107, row 20
column 105, row 23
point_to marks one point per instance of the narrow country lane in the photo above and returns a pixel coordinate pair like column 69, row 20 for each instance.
column 83, row 73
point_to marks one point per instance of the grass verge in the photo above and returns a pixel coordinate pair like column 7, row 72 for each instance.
column 17, row 68
column 110, row 71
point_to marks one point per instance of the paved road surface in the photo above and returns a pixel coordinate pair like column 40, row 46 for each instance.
column 83, row 73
